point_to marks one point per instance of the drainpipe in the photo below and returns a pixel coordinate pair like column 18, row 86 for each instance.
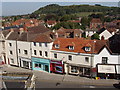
column 17, row 53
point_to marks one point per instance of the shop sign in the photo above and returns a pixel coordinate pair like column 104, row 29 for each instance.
column 106, row 68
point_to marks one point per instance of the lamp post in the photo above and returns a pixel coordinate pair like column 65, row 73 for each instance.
column 92, row 56
column 58, row 83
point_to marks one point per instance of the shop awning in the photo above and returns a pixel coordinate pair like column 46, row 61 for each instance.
column 79, row 65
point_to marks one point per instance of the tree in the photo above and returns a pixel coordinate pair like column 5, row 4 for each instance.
column 95, row 36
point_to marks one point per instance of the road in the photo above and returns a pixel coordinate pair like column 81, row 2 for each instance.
column 49, row 80
column 55, row 84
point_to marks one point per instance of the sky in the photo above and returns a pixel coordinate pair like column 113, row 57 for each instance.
column 19, row 7
column 60, row 0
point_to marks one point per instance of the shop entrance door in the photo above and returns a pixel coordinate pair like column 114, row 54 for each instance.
column 46, row 68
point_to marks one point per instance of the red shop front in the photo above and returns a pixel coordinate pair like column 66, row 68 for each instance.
column 56, row 66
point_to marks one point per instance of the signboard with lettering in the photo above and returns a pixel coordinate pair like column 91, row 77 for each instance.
column 106, row 69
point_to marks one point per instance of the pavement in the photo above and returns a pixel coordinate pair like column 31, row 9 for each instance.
column 41, row 75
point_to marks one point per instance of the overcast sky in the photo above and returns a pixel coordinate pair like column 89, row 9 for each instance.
column 60, row 0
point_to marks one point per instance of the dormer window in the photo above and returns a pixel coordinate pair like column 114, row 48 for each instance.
column 57, row 46
column 87, row 49
column 71, row 47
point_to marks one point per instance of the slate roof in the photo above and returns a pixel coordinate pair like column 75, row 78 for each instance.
column 5, row 32
column 43, row 38
column 28, row 35
column 38, row 29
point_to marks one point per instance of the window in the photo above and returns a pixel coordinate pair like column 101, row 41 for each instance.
column 40, row 53
column 11, row 52
column 12, row 60
column 19, row 50
column 34, row 43
column 55, row 55
column 71, row 47
column 40, row 44
column 35, row 53
column 45, row 44
column 46, row 54
column 69, row 57
column 25, row 52
column 104, row 60
column 86, row 59
column 10, row 44
column 37, row 65
column 87, row 49
column 57, row 46
column 74, row 69
column 25, row 64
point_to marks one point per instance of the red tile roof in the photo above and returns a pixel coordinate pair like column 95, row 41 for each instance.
column 27, row 22
column 74, row 21
column 112, row 29
column 79, row 45
column 63, row 30
column 96, row 20
column 50, row 22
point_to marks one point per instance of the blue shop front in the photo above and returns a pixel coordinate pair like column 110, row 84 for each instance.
column 41, row 64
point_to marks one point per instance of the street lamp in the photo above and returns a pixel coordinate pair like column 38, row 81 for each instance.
column 92, row 56
column 58, row 83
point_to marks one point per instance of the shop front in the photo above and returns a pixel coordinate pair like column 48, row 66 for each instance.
column 56, row 66
column 25, row 63
column 81, row 70
column 41, row 64
column 107, row 71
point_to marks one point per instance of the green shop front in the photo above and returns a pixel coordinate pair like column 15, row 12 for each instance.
column 40, row 64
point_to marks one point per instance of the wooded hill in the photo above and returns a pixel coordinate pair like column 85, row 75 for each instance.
column 72, row 9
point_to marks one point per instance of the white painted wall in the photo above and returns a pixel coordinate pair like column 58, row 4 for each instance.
column 23, row 45
column 2, row 46
column 76, row 59
column 112, row 59
column 13, row 49
column 41, row 48
column 90, row 33
column 106, row 35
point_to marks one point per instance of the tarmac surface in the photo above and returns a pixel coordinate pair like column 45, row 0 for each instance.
column 51, row 80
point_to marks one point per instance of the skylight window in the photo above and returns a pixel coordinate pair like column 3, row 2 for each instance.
column 71, row 47
column 57, row 46
column 87, row 49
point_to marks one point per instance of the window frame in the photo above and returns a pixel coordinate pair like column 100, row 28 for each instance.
column 104, row 60
column 40, row 44
column 19, row 51
column 70, row 57
column 11, row 52
column 12, row 60
column 35, row 52
column 46, row 45
column 87, row 49
column 55, row 55
column 57, row 46
column 26, row 52
column 10, row 44
column 40, row 52
column 34, row 43
column 71, row 47
column 87, row 59
column 46, row 54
